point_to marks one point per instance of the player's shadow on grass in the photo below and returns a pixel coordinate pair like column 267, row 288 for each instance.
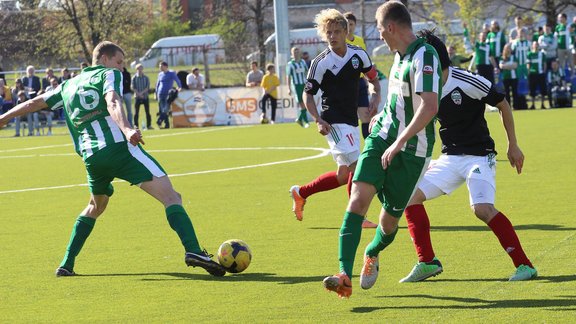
column 544, row 279
column 260, row 277
column 562, row 303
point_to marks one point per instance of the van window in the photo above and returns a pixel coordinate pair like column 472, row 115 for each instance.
column 153, row 53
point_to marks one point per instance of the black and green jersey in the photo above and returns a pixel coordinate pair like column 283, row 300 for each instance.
column 297, row 70
column 482, row 54
column 87, row 117
column 411, row 74
column 537, row 62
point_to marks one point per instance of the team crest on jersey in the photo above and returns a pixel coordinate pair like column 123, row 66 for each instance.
column 308, row 86
column 427, row 69
column 355, row 62
column 456, row 97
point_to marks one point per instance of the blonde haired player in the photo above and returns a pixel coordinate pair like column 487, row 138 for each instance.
column 336, row 71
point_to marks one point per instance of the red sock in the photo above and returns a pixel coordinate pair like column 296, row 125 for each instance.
column 349, row 184
column 324, row 182
column 506, row 234
column 419, row 227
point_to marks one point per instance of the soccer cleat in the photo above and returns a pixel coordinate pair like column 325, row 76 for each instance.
column 204, row 260
column 306, row 125
column 63, row 272
column 524, row 272
column 423, row 271
column 299, row 202
column 369, row 272
column 339, row 283
column 368, row 224
column 299, row 122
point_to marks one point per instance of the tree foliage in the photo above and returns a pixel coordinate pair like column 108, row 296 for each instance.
column 549, row 8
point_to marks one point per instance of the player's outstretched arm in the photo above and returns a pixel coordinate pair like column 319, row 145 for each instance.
column 515, row 155
column 23, row 109
column 114, row 104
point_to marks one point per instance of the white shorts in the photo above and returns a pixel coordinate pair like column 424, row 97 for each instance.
column 344, row 142
column 450, row 171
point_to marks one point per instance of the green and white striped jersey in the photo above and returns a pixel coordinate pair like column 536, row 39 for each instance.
column 297, row 71
column 563, row 35
column 87, row 117
column 416, row 72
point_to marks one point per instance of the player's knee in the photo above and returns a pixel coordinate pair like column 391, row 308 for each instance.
column 484, row 212
column 173, row 198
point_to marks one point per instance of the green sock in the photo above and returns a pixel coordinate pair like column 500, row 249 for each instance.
column 350, row 234
column 182, row 225
column 380, row 241
column 82, row 229
column 303, row 115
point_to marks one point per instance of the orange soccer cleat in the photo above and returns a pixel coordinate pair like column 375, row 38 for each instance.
column 299, row 202
column 339, row 283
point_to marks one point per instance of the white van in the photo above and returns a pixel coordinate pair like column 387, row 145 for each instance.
column 184, row 50
column 306, row 39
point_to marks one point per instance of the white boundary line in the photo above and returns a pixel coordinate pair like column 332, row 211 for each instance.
column 322, row 152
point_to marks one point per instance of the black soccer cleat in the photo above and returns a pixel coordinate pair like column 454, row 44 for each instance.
column 204, row 260
column 63, row 272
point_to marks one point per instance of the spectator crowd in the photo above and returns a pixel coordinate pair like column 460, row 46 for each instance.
column 537, row 61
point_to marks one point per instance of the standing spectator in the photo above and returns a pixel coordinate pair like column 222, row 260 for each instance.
column 296, row 71
column 515, row 32
column 48, row 112
column 254, row 77
column 521, row 48
column 127, row 94
column 537, row 73
column 485, row 63
column 270, row 83
column 548, row 43
column 364, row 112
column 195, row 80
column 536, row 35
column 562, row 34
column 31, row 118
column 496, row 39
column 337, row 119
column 457, row 59
column 6, row 94
column 141, row 87
column 65, row 75
column 112, row 150
column 166, row 79
column 306, row 58
column 509, row 68
column 46, row 79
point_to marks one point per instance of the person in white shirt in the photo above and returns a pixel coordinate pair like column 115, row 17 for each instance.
column 195, row 80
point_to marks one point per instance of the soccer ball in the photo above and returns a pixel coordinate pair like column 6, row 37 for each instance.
column 234, row 255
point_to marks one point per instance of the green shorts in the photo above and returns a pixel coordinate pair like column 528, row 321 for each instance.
column 120, row 160
column 299, row 89
column 395, row 185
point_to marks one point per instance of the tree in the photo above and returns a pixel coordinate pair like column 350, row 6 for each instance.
column 257, row 13
column 549, row 8
column 86, row 23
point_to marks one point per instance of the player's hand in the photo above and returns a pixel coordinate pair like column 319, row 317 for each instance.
column 390, row 153
column 323, row 126
column 134, row 136
column 374, row 103
column 516, row 157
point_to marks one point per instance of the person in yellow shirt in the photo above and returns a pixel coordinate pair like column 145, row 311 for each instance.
column 6, row 97
column 364, row 113
column 270, row 83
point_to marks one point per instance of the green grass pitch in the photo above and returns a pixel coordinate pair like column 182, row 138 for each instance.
column 234, row 182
